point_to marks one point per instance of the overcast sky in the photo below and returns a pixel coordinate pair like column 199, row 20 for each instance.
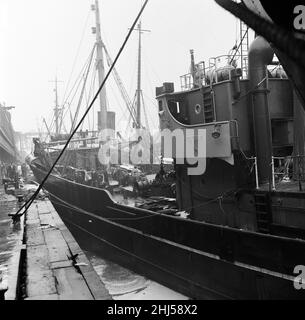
column 40, row 38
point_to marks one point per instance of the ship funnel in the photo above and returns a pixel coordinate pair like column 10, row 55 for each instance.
column 261, row 55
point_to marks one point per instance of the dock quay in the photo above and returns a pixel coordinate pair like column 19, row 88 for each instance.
column 51, row 264
column 11, row 246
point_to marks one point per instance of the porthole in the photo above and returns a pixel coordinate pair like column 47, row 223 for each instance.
column 197, row 108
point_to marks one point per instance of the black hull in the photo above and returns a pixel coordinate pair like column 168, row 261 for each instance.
column 199, row 260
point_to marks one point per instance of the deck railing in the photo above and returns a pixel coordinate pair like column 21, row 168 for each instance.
column 298, row 171
column 290, row 166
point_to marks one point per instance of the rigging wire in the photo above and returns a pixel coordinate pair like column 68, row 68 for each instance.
column 87, row 97
column 93, row 107
column 151, row 65
column 50, row 127
column 64, row 100
column 133, row 76
column 154, row 119
column 85, row 77
column 77, row 54
column 71, row 101
column 76, row 85
column 149, row 110
column 91, row 94
column 31, row 200
column 147, row 63
column 116, row 99
column 127, row 130
column 120, row 85
column 145, row 114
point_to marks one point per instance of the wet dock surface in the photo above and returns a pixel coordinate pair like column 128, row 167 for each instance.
column 56, row 267
column 11, row 236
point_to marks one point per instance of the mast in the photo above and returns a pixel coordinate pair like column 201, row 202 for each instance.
column 139, row 90
column 139, row 85
column 56, row 109
column 100, row 68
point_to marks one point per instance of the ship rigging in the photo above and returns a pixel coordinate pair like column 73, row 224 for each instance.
column 106, row 119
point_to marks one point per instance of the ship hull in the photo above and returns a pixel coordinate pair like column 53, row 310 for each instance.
column 199, row 260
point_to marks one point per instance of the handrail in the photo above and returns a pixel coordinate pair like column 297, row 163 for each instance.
column 300, row 169
column 188, row 81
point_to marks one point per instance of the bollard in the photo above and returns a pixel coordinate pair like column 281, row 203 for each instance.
column 20, row 198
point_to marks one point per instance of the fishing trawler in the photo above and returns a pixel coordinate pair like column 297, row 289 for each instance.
column 244, row 231
column 81, row 159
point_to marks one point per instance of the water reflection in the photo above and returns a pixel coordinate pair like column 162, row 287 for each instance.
column 124, row 284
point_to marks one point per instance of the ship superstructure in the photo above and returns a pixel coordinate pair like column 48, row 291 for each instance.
column 253, row 141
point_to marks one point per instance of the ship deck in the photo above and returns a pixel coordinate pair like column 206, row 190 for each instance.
column 287, row 187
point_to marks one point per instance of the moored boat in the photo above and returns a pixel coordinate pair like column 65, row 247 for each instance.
column 245, row 231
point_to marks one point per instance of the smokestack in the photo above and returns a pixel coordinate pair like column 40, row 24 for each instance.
column 261, row 55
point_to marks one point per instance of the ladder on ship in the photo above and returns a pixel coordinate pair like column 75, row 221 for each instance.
column 244, row 48
column 208, row 106
column 263, row 212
